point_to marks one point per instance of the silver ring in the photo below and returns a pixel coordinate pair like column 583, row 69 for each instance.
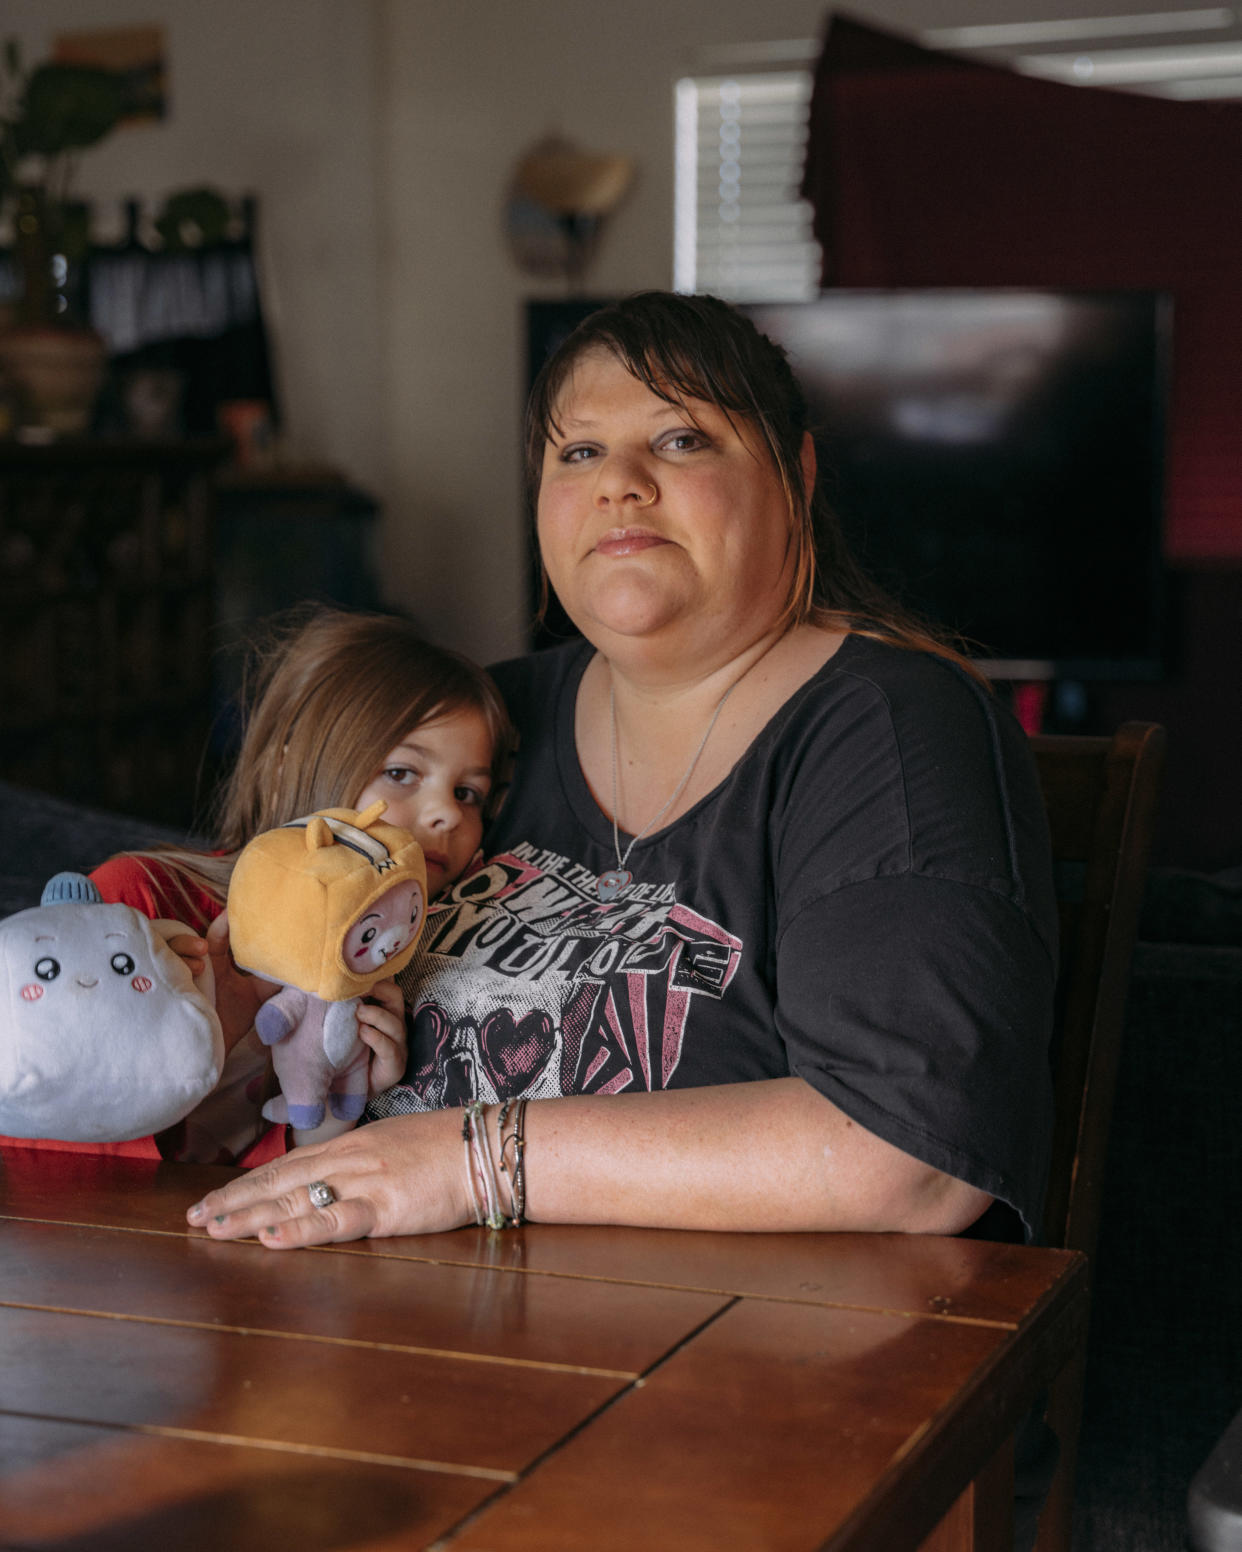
column 321, row 1194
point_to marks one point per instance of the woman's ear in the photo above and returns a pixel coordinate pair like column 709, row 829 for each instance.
column 809, row 464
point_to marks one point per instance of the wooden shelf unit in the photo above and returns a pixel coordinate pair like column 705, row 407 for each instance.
column 106, row 615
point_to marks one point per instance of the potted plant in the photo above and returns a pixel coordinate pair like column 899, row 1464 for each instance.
column 49, row 115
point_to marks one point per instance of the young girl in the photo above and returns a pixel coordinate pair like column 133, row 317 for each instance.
column 343, row 709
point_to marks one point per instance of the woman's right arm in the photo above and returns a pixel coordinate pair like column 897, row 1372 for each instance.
column 769, row 1155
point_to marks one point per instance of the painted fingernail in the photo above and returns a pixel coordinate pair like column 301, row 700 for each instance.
column 219, row 1218
column 197, row 1213
column 271, row 1229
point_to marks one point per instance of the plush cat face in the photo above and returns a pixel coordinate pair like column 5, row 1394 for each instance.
column 384, row 929
column 103, row 1035
column 330, row 903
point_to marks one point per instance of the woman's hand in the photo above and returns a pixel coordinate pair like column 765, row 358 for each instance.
column 405, row 1175
column 381, row 1025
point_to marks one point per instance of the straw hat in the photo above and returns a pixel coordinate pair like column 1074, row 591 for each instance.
column 568, row 181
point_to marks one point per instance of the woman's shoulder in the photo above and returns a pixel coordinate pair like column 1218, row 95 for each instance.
column 898, row 672
column 917, row 698
column 913, row 744
column 871, row 695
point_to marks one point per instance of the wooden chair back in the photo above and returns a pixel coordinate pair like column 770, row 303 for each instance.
column 1100, row 795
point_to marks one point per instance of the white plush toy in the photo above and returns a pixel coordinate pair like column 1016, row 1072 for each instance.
column 104, row 1036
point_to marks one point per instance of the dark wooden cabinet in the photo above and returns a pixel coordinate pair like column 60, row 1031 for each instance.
column 283, row 539
column 106, row 621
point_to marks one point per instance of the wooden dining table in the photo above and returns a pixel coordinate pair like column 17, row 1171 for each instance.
column 541, row 1388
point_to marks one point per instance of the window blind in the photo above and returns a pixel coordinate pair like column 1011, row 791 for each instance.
column 741, row 230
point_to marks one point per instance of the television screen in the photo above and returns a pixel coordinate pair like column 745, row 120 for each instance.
column 996, row 459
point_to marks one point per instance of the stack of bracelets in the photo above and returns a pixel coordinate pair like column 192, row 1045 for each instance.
column 481, row 1169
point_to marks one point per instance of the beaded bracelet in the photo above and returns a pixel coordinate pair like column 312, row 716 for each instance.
column 471, row 1181
column 515, row 1174
column 480, row 1168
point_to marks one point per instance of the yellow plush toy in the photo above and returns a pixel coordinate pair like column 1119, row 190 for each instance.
column 326, row 905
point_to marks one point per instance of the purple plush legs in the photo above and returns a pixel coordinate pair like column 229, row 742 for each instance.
column 347, row 1097
column 272, row 1023
column 347, row 1107
column 305, row 1117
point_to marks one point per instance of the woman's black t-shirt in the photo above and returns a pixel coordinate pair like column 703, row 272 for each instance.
column 865, row 902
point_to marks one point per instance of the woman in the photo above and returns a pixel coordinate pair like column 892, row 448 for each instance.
column 767, row 932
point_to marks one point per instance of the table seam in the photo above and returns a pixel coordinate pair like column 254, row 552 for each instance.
column 417, row 1350
column 277, row 1446
column 449, row 1536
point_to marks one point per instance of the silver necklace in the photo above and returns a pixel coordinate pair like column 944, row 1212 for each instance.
column 613, row 882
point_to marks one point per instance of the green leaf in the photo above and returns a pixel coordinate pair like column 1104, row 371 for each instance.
column 68, row 107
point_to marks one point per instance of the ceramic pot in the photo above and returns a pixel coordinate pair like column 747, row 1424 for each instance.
column 57, row 373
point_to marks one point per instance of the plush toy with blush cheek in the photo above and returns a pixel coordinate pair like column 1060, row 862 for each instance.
column 104, row 1035
column 326, row 905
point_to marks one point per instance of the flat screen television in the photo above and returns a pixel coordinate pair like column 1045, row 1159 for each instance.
column 996, row 458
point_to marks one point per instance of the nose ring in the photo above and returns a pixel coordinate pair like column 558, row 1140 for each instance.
column 654, row 495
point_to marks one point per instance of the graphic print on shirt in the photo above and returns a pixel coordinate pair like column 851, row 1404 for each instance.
column 526, row 983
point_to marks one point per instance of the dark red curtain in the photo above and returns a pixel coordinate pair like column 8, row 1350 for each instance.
column 926, row 169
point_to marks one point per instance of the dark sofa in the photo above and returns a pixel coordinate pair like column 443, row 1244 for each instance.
column 42, row 835
column 1165, row 1363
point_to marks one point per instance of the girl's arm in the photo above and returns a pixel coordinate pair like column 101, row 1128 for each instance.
column 381, row 1026
column 770, row 1155
column 193, row 949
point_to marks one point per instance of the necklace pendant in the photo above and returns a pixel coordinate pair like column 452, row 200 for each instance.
column 612, row 884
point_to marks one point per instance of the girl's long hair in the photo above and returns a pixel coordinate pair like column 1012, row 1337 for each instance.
column 698, row 347
column 326, row 695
